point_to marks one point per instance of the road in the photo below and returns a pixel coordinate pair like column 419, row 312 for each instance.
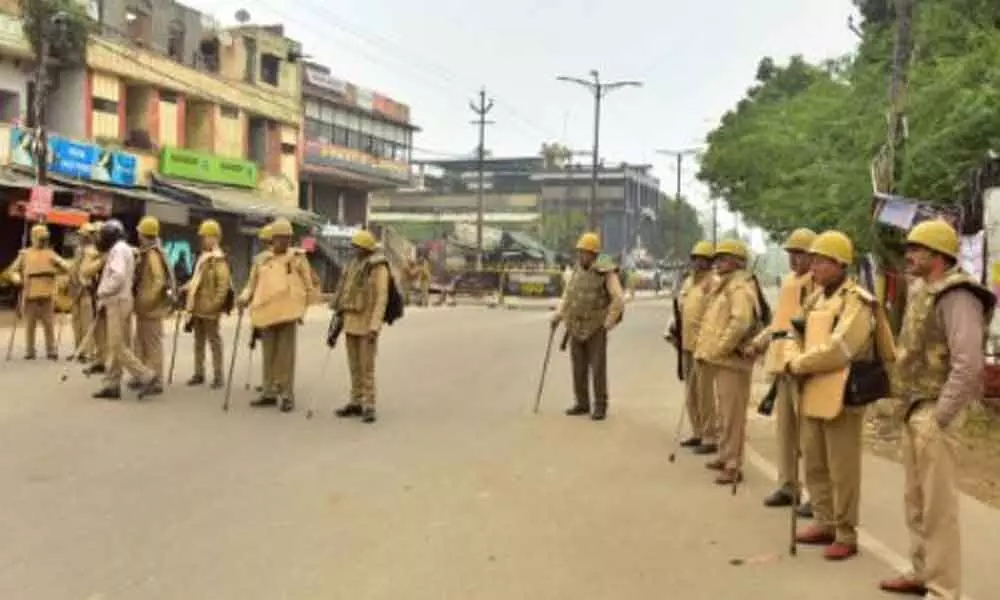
column 458, row 492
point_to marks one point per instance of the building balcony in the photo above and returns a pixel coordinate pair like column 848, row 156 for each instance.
column 336, row 162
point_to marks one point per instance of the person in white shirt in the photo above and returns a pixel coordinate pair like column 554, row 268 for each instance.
column 114, row 299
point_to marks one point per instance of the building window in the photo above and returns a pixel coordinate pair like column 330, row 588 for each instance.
column 139, row 25
column 340, row 137
column 270, row 69
column 229, row 112
column 168, row 96
column 95, row 10
column 10, row 106
column 175, row 41
column 287, row 148
column 106, row 106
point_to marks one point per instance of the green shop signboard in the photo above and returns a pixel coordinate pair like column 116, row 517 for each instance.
column 197, row 166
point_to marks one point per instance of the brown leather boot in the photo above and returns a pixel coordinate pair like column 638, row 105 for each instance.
column 840, row 551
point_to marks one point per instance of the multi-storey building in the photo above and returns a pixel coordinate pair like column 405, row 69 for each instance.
column 355, row 142
column 522, row 193
column 171, row 116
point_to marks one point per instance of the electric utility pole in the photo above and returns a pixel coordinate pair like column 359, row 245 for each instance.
column 599, row 89
column 679, row 155
column 481, row 110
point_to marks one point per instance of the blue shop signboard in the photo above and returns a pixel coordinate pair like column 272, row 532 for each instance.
column 76, row 160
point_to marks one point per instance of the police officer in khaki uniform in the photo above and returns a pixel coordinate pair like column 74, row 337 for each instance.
column 278, row 294
column 795, row 288
column 154, row 286
column 206, row 294
column 591, row 306
column 82, row 290
column 35, row 269
column 90, row 269
column 360, row 299
column 266, row 343
column 939, row 370
column 726, row 328
column 832, row 447
column 700, row 395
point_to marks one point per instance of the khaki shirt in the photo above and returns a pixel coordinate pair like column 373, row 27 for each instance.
column 728, row 322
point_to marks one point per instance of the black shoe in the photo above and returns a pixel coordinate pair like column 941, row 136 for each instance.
column 368, row 416
column 151, row 388
column 780, row 497
column 95, row 369
column 600, row 413
column 264, row 401
column 217, row 383
column 108, row 394
column 578, row 410
column 349, row 410
column 29, row 357
column 287, row 405
column 706, row 449
column 81, row 359
column 133, row 384
column 259, row 389
column 196, row 380
column 805, row 510
column 691, row 442
column 52, row 356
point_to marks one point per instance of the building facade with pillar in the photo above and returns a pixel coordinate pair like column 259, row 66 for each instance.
column 355, row 142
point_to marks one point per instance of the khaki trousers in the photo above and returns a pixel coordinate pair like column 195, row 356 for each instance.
column 281, row 356
column 101, row 356
column 789, row 438
column 833, row 470
column 732, row 388
column 700, row 391
column 267, row 362
column 40, row 309
column 931, row 503
column 83, row 316
column 117, row 315
column 590, row 360
column 361, row 351
column 206, row 331
column 149, row 343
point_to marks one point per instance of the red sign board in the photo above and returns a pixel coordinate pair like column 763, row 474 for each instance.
column 40, row 202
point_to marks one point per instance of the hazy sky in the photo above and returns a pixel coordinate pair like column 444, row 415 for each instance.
column 695, row 58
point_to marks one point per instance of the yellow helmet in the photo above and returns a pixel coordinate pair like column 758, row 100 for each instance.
column 703, row 249
column 210, row 228
column 281, row 227
column 149, row 227
column 732, row 247
column 264, row 233
column 834, row 245
column 800, row 240
column 364, row 239
column 589, row 242
column 936, row 235
column 39, row 232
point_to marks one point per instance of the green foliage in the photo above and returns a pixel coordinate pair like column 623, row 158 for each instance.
column 690, row 231
column 556, row 155
column 560, row 229
column 63, row 23
column 796, row 151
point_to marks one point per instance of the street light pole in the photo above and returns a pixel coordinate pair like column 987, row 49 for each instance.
column 679, row 154
column 599, row 89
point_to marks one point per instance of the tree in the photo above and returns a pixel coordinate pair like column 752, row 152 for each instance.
column 690, row 230
column 556, row 155
column 58, row 32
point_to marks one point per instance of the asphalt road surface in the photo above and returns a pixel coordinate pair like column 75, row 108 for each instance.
column 458, row 492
